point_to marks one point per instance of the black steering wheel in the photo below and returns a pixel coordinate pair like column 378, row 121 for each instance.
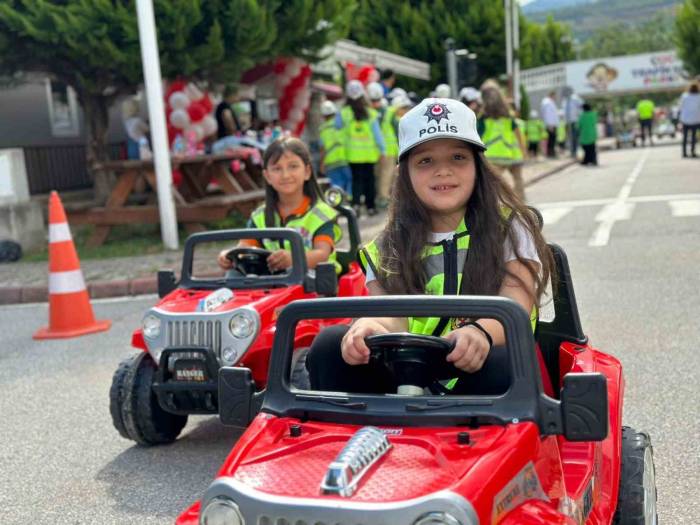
column 415, row 360
column 250, row 260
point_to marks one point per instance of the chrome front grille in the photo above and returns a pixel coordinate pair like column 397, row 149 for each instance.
column 264, row 520
column 195, row 332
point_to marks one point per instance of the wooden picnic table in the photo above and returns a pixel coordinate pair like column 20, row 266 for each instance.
column 241, row 189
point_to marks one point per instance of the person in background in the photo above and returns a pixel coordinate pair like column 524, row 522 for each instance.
column 561, row 131
column 334, row 161
column 388, row 80
column 645, row 112
column 389, row 123
column 535, row 133
column 396, row 92
column 136, row 129
column 572, row 111
column 226, row 119
column 471, row 97
column 588, row 134
column 443, row 91
column 550, row 116
column 689, row 117
column 364, row 145
column 504, row 140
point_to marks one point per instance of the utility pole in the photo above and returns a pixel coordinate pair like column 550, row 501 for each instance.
column 156, row 114
column 515, row 19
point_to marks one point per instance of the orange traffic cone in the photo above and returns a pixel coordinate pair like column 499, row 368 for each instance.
column 70, row 313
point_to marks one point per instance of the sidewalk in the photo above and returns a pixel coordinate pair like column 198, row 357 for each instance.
column 26, row 282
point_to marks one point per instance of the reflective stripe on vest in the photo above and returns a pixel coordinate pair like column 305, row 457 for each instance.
column 389, row 132
column 333, row 146
column 360, row 146
column 307, row 225
column 501, row 141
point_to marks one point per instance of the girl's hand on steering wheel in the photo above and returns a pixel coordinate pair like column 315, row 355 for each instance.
column 353, row 347
column 471, row 348
column 224, row 262
column 279, row 260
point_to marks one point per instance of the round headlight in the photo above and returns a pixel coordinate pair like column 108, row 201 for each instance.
column 151, row 326
column 229, row 355
column 437, row 518
column 221, row 511
column 242, row 325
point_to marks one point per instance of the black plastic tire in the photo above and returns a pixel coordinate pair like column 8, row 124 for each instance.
column 633, row 496
column 300, row 375
column 135, row 411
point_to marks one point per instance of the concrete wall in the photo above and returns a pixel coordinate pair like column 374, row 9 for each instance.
column 25, row 119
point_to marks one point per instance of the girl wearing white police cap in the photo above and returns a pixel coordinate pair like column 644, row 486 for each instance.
column 453, row 228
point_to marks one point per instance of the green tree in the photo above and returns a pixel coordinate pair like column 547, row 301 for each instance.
column 93, row 45
column 621, row 38
column 688, row 35
column 543, row 44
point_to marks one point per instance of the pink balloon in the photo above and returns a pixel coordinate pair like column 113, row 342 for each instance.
column 198, row 131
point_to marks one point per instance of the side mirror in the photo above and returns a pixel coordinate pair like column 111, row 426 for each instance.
column 166, row 282
column 326, row 280
column 237, row 399
column 584, row 404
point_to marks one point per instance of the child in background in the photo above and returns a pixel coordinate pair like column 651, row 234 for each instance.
column 293, row 200
column 588, row 134
column 535, row 132
column 334, row 161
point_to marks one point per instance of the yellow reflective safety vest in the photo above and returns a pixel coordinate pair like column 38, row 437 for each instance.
column 308, row 224
column 501, row 142
column 388, row 128
column 561, row 132
column 534, row 130
column 443, row 263
column 360, row 146
column 333, row 145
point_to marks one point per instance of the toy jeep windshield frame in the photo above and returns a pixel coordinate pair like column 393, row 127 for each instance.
column 581, row 414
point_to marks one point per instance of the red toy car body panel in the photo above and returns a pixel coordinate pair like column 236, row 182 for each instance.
column 510, row 474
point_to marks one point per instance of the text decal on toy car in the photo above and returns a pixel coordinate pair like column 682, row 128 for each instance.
column 524, row 486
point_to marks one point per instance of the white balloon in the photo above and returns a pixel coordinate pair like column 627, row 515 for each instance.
column 209, row 125
column 178, row 100
column 179, row 118
column 198, row 131
column 296, row 115
column 193, row 92
column 294, row 70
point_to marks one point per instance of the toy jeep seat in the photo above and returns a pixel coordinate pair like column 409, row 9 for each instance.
column 566, row 324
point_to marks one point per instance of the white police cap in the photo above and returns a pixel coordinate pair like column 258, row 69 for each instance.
column 328, row 108
column 438, row 118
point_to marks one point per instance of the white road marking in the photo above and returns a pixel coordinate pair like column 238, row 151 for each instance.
column 603, row 202
column 553, row 215
column 619, row 209
column 685, row 208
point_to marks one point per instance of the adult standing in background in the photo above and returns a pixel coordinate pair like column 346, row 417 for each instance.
column 645, row 112
column 364, row 145
column 588, row 129
column 388, row 80
column 550, row 116
column 136, row 128
column 572, row 111
column 689, row 117
column 227, row 122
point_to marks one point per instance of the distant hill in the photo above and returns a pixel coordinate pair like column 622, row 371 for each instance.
column 589, row 15
column 537, row 6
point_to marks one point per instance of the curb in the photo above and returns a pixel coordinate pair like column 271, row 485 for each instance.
column 96, row 290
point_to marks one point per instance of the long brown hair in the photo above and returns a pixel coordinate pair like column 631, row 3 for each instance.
column 273, row 153
column 406, row 233
column 359, row 108
column 494, row 105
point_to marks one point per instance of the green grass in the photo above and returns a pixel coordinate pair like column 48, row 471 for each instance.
column 130, row 240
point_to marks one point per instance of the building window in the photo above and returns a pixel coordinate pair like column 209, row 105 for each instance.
column 63, row 109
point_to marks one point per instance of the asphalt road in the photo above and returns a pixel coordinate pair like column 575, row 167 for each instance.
column 631, row 229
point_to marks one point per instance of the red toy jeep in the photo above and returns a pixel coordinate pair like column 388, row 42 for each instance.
column 522, row 457
column 211, row 319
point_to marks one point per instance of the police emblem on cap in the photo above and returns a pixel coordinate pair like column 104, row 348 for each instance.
column 437, row 112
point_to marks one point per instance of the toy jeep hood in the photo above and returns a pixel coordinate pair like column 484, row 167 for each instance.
column 307, row 470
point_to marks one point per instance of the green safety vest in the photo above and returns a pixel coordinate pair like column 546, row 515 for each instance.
column 645, row 109
column 333, row 145
column 307, row 225
column 534, row 130
column 360, row 146
column 561, row 132
column 443, row 263
column 388, row 127
column 501, row 142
